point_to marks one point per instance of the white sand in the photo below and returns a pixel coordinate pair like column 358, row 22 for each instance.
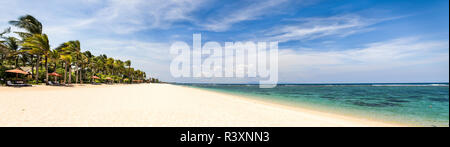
column 153, row 105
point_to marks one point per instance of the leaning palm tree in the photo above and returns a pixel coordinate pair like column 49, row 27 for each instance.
column 74, row 48
column 6, row 31
column 39, row 45
column 3, row 48
column 69, row 52
column 110, row 65
column 67, row 58
column 12, row 44
column 77, row 54
column 3, row 52
column 30, row 24
column 90, row 64
column 102, row 64
column 128, row 63
column 54, row 58
column 83, row 62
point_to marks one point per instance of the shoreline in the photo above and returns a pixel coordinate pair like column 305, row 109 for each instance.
column 157, row 105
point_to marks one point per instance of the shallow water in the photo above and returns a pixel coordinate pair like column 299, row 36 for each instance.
column 417, row 104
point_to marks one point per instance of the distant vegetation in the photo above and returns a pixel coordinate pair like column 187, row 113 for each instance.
column 31, row 50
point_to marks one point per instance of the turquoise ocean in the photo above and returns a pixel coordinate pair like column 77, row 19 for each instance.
column 418, row 104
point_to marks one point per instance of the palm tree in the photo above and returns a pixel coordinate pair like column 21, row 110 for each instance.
column 90, row 64
column 6, row 31
column 83, row 62
column 3, row 52
column 32, row 26
column 12, row 44
column 76, row 51
column 67, row 58
column 110, row 65
column 39, row 45
column 55, row 58
column 128, row 63
column 34, row 45
column 29, row 23
column 72, row 49
column 100, row 65
column 3, row 48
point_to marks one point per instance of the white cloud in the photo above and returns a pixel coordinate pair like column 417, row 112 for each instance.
column 125, row 17
column 313, row 28
column 134, row 15
column 393, row 55
column 223, row 22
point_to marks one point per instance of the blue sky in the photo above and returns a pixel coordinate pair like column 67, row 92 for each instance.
column 321, row 41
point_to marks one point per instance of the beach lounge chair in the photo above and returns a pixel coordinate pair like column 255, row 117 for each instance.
column 95, row 83
column 9, row 83
column 50, row 83
column 59, row 84
column 22, row 84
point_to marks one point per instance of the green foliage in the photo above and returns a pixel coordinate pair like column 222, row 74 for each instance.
column 66, row 57
column 29, row 23
column 33, row 82
column 2, row 73
column 37, row 44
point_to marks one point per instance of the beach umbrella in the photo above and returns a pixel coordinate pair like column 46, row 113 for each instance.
column 54, row 74
column 109, row 79
column 17, row 71
column 126, row 80
column 94, row 77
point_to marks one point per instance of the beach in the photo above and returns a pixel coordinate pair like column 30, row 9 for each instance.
column 156, row 105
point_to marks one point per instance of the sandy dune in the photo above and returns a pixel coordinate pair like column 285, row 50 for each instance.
column 153, row 105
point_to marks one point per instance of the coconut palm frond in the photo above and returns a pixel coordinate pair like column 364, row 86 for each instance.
column 24, row 34
column 37, row 44
column 29, row 23
column 6, row 31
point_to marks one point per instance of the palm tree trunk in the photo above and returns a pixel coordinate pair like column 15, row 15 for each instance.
column 1, row 60
column 81, row 75
column 9, row 61
column 32, row 66
column 24, row 62
column 65, row 73
column 37, row 68
column 54, row 69
column 70, row 75
column 129, row 76
column 46, row 69
column 17, row 61
column 76, row 75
